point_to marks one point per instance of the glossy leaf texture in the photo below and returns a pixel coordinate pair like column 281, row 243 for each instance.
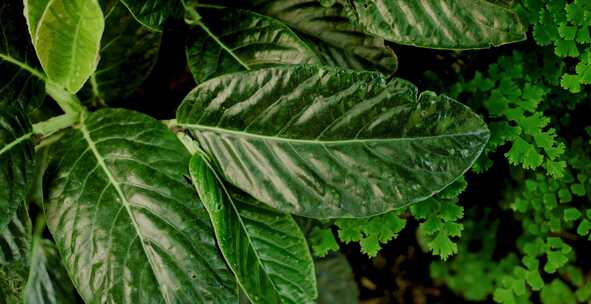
column 338, row 57
column 67, row 38
column 48, row 281
column 15, row 247
column 331, row 25
column 266, row 250
column 16, row 160
column 250, row 41
column 442, row 24
column 327, row 143
column 154, row 13
column 128, row 53
column 20, row 81
column 336, row 283
column 127, row 223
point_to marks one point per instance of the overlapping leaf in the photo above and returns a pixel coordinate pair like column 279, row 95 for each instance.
column 20, row 82
column 323, row 142
column 446, row 24
column 265, row 249
column 48, row 281
column 250, row 41
column 128, row 225
column 331, row 25
column 154, row 13
column 16, row 160
column 66, row 35
column 15, row 246
column 336, row 283
column 127, row 55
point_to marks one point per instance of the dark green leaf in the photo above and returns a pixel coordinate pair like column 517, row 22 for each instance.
column 128, row 53
column 445, row 24
column 67, row 39
column 16, row 160
column 15, row 247
column 336, row 283
column 323, row 142
column 127, row 223
column 250, row 41
column 48, row 280
column 331, row 25
column 154, row 13
column 265, row 249
column 339, row 57
column 20, row 82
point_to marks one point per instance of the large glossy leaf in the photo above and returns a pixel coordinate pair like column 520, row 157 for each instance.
column 447, row 24
column 154, row 13
column 20, row 81
column 250, row 41
column 15, row 247
column 265, row 249
column 128, row 53
column 16, row 160
column 324, row 142
column 48, row 281
column 127, row 223
column 336, row 283
column 339, row 57
column 67, row 39
column 331, row 25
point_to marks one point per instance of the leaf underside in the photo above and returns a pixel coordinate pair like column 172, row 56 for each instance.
column 325, row 143
column 67, row 40
column 16, row 160
column 128, row 225
column 257, row 41
column 443, row 24
column 265, row 249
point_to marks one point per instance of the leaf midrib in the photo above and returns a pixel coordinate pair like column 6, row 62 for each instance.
column 111, row 179
column 335, row 142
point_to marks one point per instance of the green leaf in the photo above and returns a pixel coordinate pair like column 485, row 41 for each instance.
column 340, row 57
column 336, row 283
column 266, row 250
column 15, row 247
column 48, row 281
column 128, row 53
column 557, row 292
column 243, row 41
column 330, row 25
column 67, row 40
column 154, row 13
column 127, row 223
column 325, row 143
column 20, row 81
column 16, row 160
column 322, row 241
column 441, row 24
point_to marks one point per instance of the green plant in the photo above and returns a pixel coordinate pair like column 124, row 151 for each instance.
column 284, row 122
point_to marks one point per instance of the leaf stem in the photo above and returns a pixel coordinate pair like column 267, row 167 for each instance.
column 54, row 124
column 68, row 102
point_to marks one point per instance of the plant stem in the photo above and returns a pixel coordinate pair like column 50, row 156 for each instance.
column 40, row 223
column 67, row 101
column 55, row 124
